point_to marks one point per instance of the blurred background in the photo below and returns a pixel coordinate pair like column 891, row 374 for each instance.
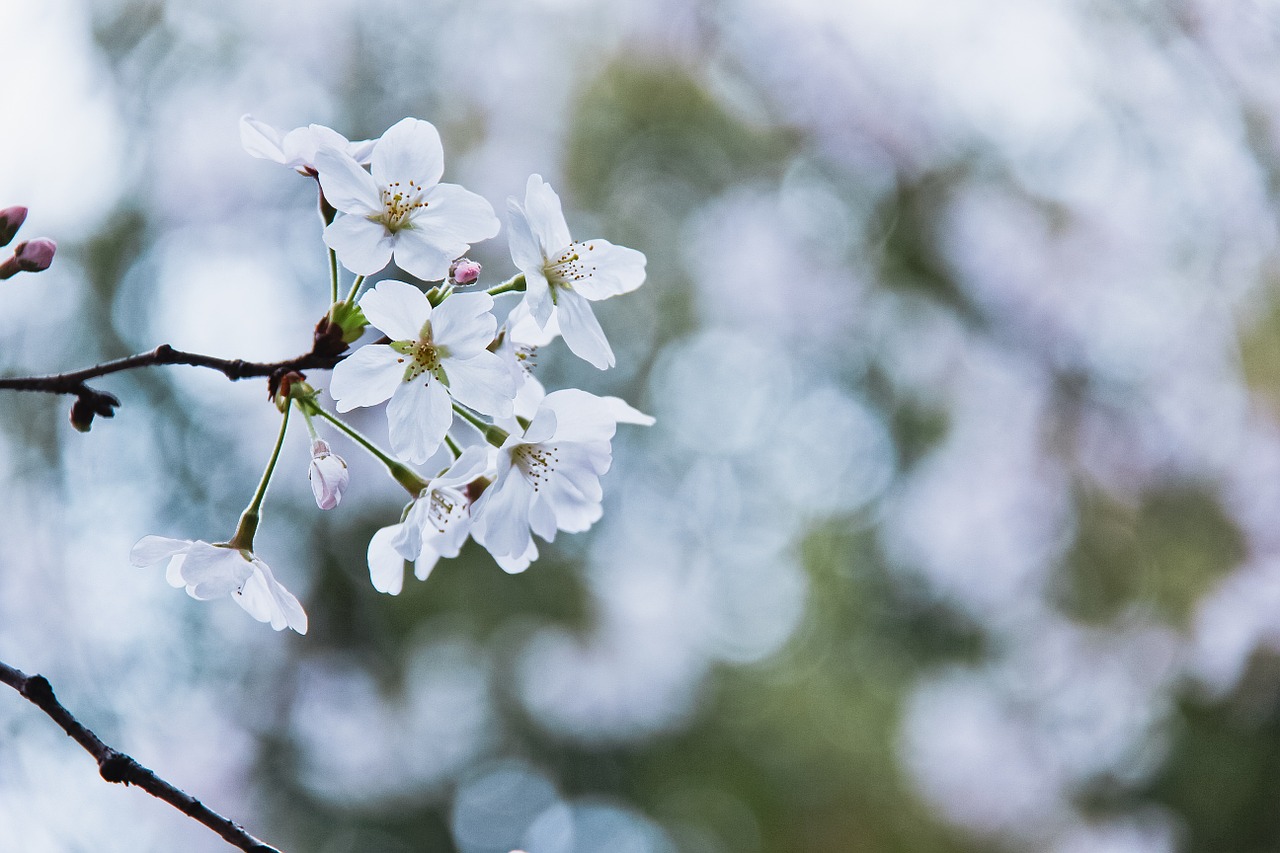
column 958, row 527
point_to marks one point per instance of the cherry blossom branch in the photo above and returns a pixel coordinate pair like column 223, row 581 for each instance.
column 115, row 766
column 326, row 351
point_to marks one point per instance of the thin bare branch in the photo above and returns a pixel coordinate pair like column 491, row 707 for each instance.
column 115, row 766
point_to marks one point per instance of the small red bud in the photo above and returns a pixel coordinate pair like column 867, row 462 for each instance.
column 464, row 271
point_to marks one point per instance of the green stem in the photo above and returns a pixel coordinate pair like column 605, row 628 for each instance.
column 355, row 288
column 402, row 474
column 248, row 525
column 493, row 434
column 453, row 446
column 515, row 284
column 333, row 276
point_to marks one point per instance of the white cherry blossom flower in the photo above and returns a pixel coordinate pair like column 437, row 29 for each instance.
column 518, row 349
column 297, row 148
column 563, row 276
column 435, row 525
column 548, row 477
column 328, row 474
column 436, row 355
column 210, row 571
column 401, row 209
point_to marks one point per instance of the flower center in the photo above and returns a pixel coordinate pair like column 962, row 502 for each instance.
column 570, row 266
column 398, row 204
column 446, row 505
column 536, row 461
column 419, row 357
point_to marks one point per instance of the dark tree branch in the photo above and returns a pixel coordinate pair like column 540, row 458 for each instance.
column 326, row 351
column 117, row 767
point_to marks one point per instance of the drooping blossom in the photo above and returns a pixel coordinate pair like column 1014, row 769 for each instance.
column 564, row 276
column 399, row 208
column 435, row 525
column 211, row 571
column 297, row 148
column 437, row 355
column 548, row 476
column 328, row 474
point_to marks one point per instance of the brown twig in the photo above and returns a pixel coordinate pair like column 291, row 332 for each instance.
column 326, row 351
column 115, row 766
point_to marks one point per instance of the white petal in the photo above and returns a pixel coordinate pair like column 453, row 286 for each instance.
column 526, row 331
column 346, row 185
column 611, row 270
column 150, row 550
column 456, row 216
column 537, row 296
column 464, row 323
column 410, row 150
column 513, row 565
column 397, row 308
column 483, row 383
column 475, row 461
column 368, row 376
column 211, row 572
column 581, row 330
column 417, row 254
column 542, row 519
column 544, row 425
column 525, row 249
column 585, row 417
column 265, row 599
column 386, row 566
column 574, row 513
column 546, row 218
column 260, row 139
column 329, row 479
column 419, row 414
column 501, row 516
column 363, row 246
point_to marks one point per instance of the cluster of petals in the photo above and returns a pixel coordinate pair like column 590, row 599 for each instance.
column 547, row 476
column 297, row 149
column 437, row 355
column 212, row 571
column 563, row 276
column 435, row 525
column 399, row 209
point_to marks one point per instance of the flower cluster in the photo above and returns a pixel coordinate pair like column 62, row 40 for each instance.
column 450, row 374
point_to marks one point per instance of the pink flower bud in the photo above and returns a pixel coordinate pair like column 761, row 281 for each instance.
column 11, row 219
column 29, row 256
column 329, row 475
column 464, row 271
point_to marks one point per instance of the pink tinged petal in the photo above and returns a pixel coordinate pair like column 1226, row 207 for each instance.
column 409, row 150
column 329, row 479
column 417, row 254
column 456, row 216
column 482, row 383
column 611, row 270
column 261, row 139
column 386, row 565
column 546, row 217
column 347, row 186
column 363, row 245
column 150, row 550
column 419, row 414
column 526, row 252
column 464, row 324
column 397, row 308
column 514, row 565
column 368, row 376
column 581, row 330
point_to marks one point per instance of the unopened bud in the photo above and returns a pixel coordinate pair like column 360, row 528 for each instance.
column 329, row 475
column 464, row 271
column 11, row 219
column 29, row 256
